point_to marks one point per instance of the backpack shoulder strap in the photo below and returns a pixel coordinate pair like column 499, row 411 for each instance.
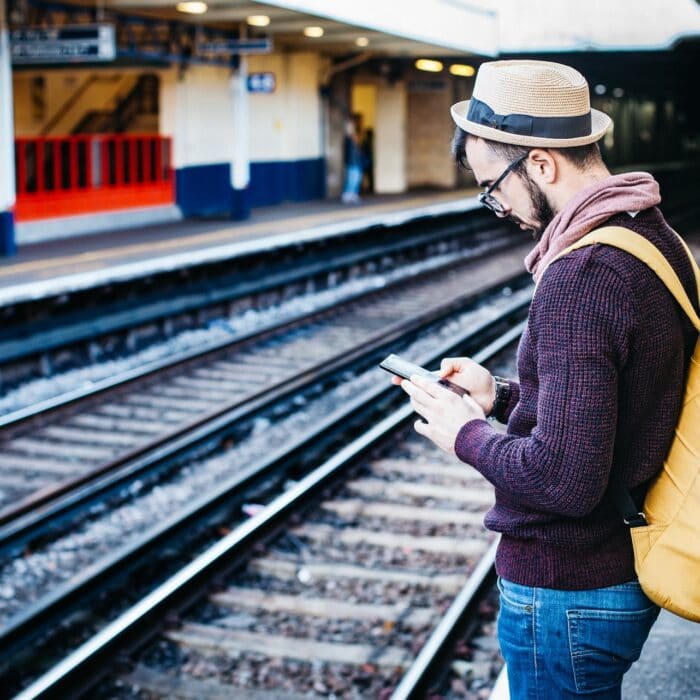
column 648, row 253
column 693, row 264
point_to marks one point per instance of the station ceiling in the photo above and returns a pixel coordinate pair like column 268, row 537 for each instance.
column 438, row 28
column 286, row 27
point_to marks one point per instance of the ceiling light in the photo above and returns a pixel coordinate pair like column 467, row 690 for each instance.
column 462, row 69
column 313, row 32
column 362, row 41
column 192, row 7
column 429, row 65
column 258, row 20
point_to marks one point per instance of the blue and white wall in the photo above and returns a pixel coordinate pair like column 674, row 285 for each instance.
column 286, row 147
column 7, row 148
column 213, row 141
column 196, row 110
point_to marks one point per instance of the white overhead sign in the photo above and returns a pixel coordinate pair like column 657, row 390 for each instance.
column 81, row 43
column 236, row 46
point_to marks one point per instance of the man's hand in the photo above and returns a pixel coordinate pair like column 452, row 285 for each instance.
column 444, row 411
column 470, row 375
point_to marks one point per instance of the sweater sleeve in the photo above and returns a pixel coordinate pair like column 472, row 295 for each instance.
column 580, row 323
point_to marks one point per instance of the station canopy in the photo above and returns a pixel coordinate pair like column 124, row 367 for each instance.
column 445, row 27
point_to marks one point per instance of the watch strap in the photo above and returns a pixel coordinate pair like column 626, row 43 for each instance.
column 502, row 398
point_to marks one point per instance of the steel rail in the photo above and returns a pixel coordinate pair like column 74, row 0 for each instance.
column 415, row 681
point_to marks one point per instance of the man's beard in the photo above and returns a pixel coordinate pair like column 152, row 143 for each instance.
column 542, row 210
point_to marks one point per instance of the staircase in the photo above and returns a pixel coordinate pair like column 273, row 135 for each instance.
column 137, row 112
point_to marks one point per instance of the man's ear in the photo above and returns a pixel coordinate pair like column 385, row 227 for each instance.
column 542, row 166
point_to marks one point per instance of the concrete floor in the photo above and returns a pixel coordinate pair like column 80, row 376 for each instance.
column 669, row 668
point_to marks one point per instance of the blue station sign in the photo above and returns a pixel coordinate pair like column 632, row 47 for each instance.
column 264, row 83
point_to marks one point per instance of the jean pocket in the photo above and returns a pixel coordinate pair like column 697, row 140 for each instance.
column 516, row 600
column 605, row 643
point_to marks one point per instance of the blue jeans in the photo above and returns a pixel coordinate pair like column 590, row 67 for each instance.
column 571, row 644
column 353, row 179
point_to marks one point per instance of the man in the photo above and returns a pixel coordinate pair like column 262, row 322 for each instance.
column 601, row 364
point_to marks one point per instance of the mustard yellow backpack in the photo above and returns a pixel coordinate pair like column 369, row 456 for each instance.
column 666, row 536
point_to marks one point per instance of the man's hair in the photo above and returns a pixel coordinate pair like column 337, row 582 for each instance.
column 580, row 156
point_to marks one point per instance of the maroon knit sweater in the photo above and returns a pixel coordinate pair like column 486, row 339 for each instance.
column 602, row 364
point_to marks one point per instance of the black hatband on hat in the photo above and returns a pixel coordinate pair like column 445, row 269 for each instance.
column 526, row 125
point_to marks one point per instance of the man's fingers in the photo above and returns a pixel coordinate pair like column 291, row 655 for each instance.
column 453, row 365
column 447, row 366
column 420, row 409
column 431, row 388
column 419, row 399
column 450, row 365
column 396, row 380
column 422, row 428
column 426, row 385
column 414, row 390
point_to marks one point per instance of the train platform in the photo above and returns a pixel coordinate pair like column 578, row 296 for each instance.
column 668, row 667
column 62, row 266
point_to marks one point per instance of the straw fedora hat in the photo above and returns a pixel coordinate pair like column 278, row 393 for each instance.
column 531, row 103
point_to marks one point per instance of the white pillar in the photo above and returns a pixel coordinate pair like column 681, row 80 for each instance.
column 390, row 139
column 7, row 142
column 240, row 158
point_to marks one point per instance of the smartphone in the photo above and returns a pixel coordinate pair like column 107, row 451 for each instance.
column 403, row 368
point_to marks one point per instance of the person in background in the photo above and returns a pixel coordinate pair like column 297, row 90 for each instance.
column 354, row 161
column 368, row 163
column 602, row 365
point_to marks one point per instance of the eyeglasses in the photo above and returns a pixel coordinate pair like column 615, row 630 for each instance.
column 487, row 199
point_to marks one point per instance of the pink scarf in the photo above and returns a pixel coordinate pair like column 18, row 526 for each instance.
column 589, row 208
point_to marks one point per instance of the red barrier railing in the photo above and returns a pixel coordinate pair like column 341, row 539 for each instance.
column 86, row 174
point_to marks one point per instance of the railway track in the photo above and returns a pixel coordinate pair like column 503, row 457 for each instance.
column 101, row 554
column 342, row 602
column 51, row 452
column 383, row 537
column 76, row 328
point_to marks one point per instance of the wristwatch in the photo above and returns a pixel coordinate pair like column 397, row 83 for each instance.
column 502, row 397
